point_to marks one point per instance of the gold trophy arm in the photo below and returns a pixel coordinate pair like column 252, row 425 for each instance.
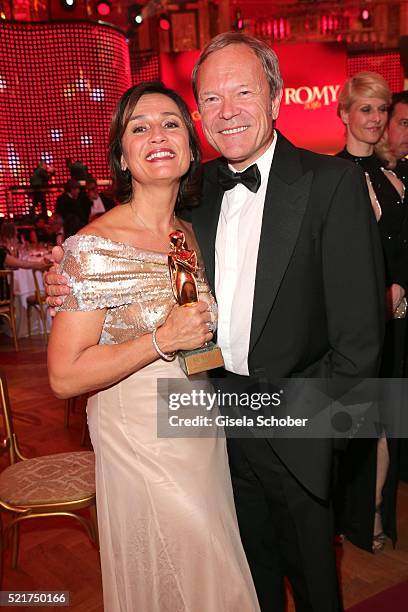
column 173, row 276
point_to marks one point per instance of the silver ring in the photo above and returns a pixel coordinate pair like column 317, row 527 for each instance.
column 210, row 326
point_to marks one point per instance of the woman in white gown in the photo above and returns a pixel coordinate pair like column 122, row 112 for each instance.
column 168, row 532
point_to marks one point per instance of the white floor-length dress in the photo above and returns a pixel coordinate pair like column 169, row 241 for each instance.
column 168, row 531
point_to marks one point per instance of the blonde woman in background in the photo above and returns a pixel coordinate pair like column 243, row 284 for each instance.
column 369, row 470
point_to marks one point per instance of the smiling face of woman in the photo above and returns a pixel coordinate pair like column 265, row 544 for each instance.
column 365, row 121
column 155, row 143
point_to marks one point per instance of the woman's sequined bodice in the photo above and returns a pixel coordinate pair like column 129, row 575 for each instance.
column 132, row 284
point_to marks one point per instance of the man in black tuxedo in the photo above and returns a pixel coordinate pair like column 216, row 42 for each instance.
column 397, row 128
column 292, row 252
column 92, row 203
column 68, row 209
column 397, row 132
column 40, row 180
column 77, row 170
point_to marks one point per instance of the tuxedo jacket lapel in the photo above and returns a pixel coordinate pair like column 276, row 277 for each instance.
column 285, row 203
column 205, row 221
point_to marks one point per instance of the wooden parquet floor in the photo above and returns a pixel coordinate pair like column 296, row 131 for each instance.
column 55, row 554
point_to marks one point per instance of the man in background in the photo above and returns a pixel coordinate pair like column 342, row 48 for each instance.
column 397, row 130
column 39, row 181
column 92, row 203
column 398, row 142
column 77, row 170
column 67, row 207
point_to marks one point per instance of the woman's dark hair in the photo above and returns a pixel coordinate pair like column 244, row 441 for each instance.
column 190, row 182
column 8, row 230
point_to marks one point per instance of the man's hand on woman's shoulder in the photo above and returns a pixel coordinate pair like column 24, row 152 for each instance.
column 56, row 285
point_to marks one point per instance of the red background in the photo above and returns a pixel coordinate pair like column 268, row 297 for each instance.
column 59, row 84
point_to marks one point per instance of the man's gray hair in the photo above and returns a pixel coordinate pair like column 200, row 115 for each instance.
column 266, row 56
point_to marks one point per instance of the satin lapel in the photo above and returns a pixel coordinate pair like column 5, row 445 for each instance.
column 285, row 204
column 205, row 221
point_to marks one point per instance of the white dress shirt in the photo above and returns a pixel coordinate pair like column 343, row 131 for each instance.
column 97, row 207
column 236, row 256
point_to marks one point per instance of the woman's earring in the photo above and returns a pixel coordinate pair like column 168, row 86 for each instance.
column 191, row 156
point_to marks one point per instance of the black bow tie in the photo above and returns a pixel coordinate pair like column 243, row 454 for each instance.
column 251, row 178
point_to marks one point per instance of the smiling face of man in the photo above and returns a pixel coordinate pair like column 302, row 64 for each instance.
column 235, row 104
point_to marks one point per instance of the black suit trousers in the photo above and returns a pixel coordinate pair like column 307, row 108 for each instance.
column 286, row 532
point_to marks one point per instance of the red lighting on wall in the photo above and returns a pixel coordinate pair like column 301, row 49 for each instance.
column 164, row 23
column 333, row 23
column 59, row 84
column 103, row 8
column 135, row 13
column 365, row 18
column 239, row 22
column 275, row 29
column 386, row 63
column 68, row 5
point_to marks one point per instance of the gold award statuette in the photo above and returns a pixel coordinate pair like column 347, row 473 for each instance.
column 183, row 267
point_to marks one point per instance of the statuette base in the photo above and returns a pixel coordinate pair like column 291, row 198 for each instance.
column 202, row 359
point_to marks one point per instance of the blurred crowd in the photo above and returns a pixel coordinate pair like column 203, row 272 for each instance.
column 80, row 202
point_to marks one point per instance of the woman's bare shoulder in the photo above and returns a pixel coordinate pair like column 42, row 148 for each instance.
column 105, row 226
